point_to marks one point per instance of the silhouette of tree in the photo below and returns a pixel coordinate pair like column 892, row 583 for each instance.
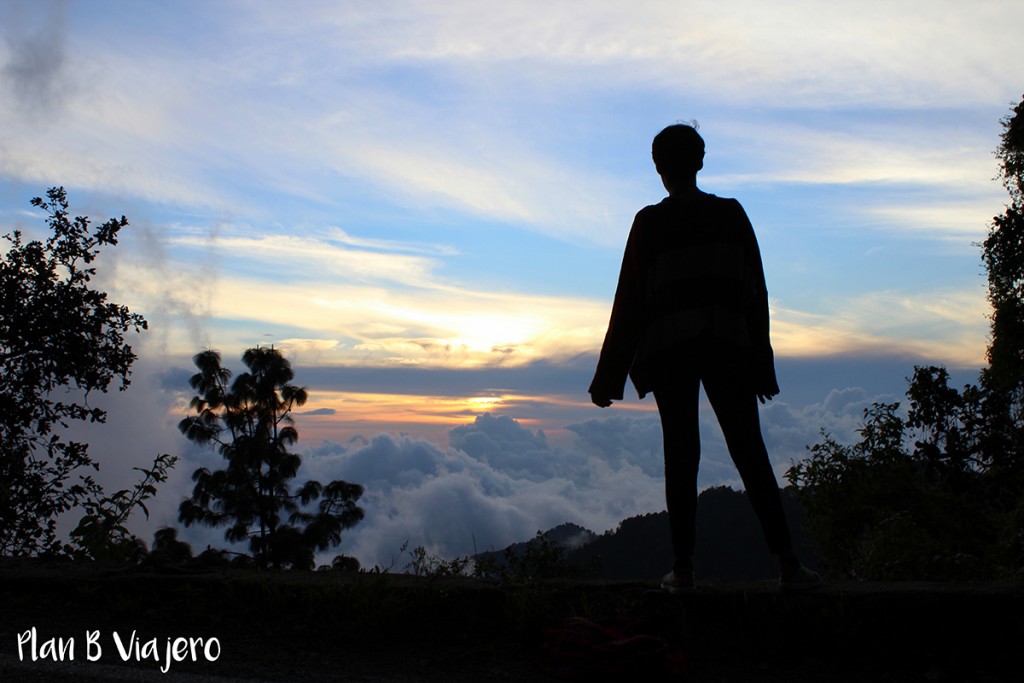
column 60, row 340
column 907, row 501
column 1003, row 254
column 1004, row 260
column 250, row 423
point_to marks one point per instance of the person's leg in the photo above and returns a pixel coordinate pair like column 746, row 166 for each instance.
column 735, row 406
column 677, row 407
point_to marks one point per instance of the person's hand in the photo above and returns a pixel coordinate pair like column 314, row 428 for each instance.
column 766, row 386
column 766, row 394
column 600, row 400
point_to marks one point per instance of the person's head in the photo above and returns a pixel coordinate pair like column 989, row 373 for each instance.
column 678, row 151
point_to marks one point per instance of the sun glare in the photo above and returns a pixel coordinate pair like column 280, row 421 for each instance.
column 484, row 403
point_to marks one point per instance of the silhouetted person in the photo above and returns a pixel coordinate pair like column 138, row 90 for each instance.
column 692, row 307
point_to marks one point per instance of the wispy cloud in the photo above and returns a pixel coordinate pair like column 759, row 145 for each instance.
column 296, row 101
column 804, row 53
column 335, row 303
column 345, row 238
column 965, row 222
column 939, row 326
column 877, row 147
column 364, row 306
column 291, row 257
column 35, row 69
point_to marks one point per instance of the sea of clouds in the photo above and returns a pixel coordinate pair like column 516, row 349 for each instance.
column 497, row 481
column 494, row 481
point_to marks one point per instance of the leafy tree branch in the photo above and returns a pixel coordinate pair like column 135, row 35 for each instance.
column 60, row 341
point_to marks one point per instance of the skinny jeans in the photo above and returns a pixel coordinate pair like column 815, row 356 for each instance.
column 725, row 377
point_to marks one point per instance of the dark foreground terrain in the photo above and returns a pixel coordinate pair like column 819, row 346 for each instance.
column 374, row 627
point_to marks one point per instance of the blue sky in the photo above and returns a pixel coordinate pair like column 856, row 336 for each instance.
column 424, row 205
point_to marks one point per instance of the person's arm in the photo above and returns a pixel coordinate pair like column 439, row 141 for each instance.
column 624, row 328
column 766, row 383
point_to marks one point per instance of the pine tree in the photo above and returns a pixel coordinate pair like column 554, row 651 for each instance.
column 251, row 425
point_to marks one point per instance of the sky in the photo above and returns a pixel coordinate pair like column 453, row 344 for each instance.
column 423, row 205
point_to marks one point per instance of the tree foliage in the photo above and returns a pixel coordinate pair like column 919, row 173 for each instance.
column 1003, row 254
column 249, row 422
column 60, row 341
column 938, row 491
column 911, row 499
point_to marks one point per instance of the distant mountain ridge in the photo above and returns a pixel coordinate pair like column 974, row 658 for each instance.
column 730, row 544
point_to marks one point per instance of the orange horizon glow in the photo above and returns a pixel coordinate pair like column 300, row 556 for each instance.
column 429, row 416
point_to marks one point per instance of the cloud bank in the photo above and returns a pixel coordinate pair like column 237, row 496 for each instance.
column 490, row 478
column 499, row 482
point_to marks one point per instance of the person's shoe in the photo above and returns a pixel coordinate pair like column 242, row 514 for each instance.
column 678, row 583
column 799, row 578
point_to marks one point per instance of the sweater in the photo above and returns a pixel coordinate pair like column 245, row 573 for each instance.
column 691, row 284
